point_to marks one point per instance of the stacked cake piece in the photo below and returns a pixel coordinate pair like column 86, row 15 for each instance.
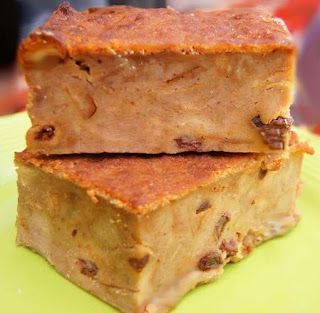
column 140, row 230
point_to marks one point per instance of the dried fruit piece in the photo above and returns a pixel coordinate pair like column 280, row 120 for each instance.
column 262, row 173
column 46, row 133
column 274, row 132
column 205, row 205
column 229, row 246
column 189, row 144
column 139, row 263
column 210, row 261
column 222, row 222
column 88, row 268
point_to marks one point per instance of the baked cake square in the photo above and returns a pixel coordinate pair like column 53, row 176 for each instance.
column 139, row 232
column 124, row 79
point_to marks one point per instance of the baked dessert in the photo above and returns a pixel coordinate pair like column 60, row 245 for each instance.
column 124, row 79
column 139, row 232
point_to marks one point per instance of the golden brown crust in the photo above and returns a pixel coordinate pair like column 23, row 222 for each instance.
column 128, row 30
column 139, row 183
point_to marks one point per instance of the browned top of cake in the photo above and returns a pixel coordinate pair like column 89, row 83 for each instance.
column 128, row 30
column 140, row 183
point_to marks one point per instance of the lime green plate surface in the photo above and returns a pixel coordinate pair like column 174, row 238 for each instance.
column 280, row 276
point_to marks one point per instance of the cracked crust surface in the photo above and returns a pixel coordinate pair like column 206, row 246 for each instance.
column 141, row 183
column 122, row 29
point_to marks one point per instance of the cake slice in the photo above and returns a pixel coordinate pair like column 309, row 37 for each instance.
column 124, row 79
column 140, row 232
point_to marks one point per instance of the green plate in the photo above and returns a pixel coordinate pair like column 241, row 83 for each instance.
column 280, row 276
